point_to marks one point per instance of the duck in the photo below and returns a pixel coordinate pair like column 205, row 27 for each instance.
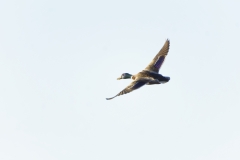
column 149, row 76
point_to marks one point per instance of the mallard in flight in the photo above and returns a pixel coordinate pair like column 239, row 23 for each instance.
column 149, row 75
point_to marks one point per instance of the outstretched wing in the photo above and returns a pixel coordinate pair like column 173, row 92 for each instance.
column 158, row 60
column 133, row 86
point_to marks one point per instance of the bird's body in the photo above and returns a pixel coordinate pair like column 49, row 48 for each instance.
column 149, row 75
column 155, row 76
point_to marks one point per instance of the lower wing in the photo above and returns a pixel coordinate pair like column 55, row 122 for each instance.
column 133, row 86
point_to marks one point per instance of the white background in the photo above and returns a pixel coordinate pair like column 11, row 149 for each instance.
column 59, row 60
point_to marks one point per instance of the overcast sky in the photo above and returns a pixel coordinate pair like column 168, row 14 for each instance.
column 59, row 60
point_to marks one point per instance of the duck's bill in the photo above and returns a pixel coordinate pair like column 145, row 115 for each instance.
column 119, row 78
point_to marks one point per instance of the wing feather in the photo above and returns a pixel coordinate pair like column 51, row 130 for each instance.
column 133, row 86
column 158, row 60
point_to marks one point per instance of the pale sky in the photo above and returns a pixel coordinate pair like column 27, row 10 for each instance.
column 59, row 60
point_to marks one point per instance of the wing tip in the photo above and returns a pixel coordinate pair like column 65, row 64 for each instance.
column 110, row 98
column 168, row 40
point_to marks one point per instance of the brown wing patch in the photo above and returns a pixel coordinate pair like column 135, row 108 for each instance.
column 133, row 86
column 158, row 60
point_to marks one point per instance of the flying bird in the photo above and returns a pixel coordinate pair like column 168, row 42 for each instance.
column 149, row 75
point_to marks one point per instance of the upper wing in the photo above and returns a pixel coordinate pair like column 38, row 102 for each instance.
column 133, row 86
column 158, row 60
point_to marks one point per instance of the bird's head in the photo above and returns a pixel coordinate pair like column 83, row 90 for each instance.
column 125, row 76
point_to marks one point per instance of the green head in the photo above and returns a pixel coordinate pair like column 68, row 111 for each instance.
column 125, row 76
